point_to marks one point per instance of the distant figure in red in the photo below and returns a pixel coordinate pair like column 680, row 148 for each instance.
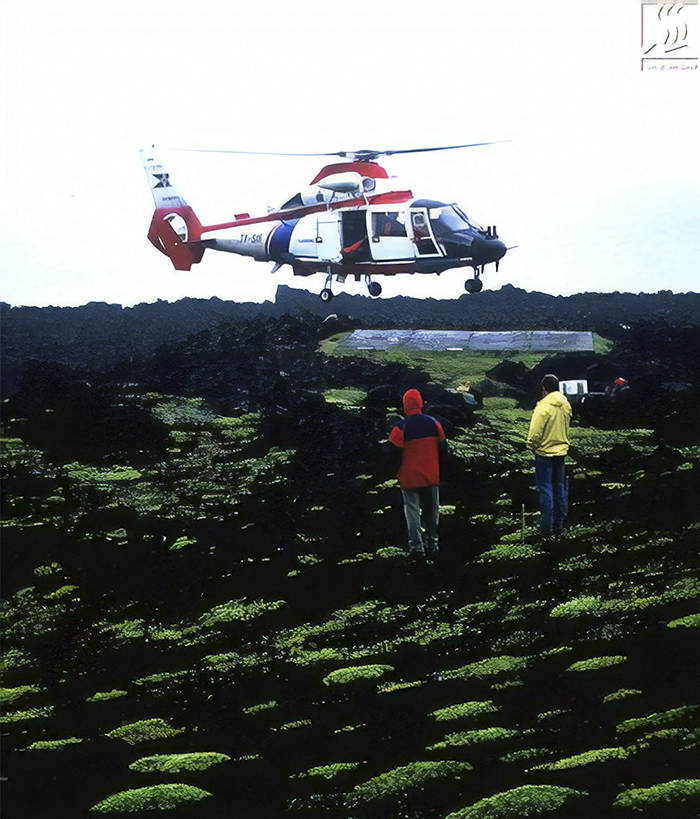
column 420, row 438
column 618, row 386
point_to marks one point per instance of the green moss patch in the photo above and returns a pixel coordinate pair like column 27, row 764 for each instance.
column 53, row 744
column 391, row 687
column 342, row 676
column 586, row 758
column 689, row 621
column 519, row 803
column 491, row 667
column 144, row 730
column 156, row 797
column 101, row 696
column 621, row 694
column 476, row 737
column 328, row 772
column 474, row 708
column 662, row 796
column 402, row 781
column 183, row 543
column 660, row 719
column 230, row 661
column 509, row 551
column 178, row 763
column 239, row 610
column 596, row 663
column 8, row 695
column 262, row 706
column 29, row 713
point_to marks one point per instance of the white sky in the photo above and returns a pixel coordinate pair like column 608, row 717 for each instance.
column 600, row 187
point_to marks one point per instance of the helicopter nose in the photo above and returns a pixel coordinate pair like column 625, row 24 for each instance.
column 486, row 250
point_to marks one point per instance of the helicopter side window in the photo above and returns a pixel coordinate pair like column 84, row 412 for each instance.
column 421, row 234
column 388, row 223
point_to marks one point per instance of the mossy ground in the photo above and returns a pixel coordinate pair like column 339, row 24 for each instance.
column 206, row 621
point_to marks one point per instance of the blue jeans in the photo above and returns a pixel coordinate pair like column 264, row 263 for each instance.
column 550, row 477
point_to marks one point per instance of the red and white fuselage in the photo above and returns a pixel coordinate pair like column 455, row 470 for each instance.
column 353, row 219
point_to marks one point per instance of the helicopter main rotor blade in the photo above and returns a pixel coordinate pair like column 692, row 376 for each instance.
column 442, row 148
column 252, row 153
column 364, row 154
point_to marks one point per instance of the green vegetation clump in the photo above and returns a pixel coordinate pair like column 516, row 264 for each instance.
column 621, row 694
column 239, row 610
column 8, row 695
column 162, row 678
column 595, row 663
column 329, row 772
column 401, row 781
column 657, row 720
column 263, row 706
column 29, row 713
column 578, row 607
column 586, row 758
column 144, row 730
column 387, row 552
column 155, row 797
column 465, row 738
column 689, row 621
column 390, row 687
column 48, row 570
column 14, row 659
column 509, row 551
column 62, row 593
column 345, row 396
column 686, row 588
column 230, row 660
column 290, row 726
column 178, row 763
column 684, row 792
column 527, row 755
column 101, row 696
column 473, row 610
column 474, row 708
column 519, row 803
column 53, row 744
column 491, row 667
column 342, row 676
column 124, row 631
column 182, row 543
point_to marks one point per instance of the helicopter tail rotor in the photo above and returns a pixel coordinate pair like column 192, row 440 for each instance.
column 175, row 229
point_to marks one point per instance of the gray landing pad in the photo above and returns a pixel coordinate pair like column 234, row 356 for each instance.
column 553, row 341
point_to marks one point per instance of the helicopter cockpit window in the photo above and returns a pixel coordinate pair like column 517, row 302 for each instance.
column 447, row 219
column 389, row 223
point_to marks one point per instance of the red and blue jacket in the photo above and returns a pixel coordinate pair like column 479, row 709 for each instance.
column 419, row 437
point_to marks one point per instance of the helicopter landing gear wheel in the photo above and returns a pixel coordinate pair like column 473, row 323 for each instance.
column 374, row 288
column 326, row 294
column 473, row 285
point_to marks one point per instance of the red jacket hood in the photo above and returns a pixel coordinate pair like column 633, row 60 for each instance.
column 412, row 402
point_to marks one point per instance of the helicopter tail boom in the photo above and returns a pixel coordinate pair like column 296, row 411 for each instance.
column 175, row 229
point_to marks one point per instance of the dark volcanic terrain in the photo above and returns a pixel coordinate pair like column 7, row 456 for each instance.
column 207, row 608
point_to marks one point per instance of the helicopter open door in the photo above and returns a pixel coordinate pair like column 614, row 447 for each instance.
column 328, row 238
column 388, row 234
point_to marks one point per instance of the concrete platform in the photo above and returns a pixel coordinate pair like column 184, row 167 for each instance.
column 546, row 341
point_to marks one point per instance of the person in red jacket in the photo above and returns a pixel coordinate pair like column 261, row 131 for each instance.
column 420, row 438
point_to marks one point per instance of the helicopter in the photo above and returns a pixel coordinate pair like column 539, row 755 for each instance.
column 351, row 220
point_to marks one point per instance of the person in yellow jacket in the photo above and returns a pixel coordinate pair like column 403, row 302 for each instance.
column 548, row 438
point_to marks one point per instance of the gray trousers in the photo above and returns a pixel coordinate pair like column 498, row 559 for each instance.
column 427, row 497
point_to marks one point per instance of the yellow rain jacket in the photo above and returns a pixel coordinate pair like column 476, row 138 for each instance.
column 549, row 427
